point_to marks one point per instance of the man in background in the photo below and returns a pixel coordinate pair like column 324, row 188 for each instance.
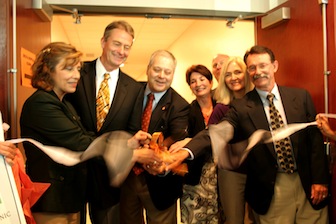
column 217, row 63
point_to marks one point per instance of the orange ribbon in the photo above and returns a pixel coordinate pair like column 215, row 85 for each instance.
column 156, row 144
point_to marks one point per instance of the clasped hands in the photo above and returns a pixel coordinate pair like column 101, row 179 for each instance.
column 153, row 155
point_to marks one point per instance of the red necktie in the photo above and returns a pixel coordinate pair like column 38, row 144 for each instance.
column 146, row 116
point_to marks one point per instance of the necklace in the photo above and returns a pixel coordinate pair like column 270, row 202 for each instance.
column 206, row 115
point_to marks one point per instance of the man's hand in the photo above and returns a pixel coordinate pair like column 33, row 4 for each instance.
column 139, row 139
column 155, row 168
column 145, row 155
column 178, row 158
column 8, row 150
column 179, row 145
column 319, row 192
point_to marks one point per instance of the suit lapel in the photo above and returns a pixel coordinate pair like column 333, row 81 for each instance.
column 118, row 99
column 258, row 117
column 292, row 110
column 89, row 87
column 158, row 112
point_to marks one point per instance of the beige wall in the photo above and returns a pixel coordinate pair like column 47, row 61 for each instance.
column 202, row 42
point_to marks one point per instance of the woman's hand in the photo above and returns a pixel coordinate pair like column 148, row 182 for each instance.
column 8, row 150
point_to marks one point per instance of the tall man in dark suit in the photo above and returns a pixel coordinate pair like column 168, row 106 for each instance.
column 157, row 194
column 116, row 44
column 278, row 195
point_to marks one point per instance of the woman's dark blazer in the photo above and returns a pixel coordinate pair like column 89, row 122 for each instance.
column 53, row 122
column 196, row 124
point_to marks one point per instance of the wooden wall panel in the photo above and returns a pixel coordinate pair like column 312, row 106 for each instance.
column 32, row 34
column 331, row 22
column 4, row 62
column 298, row 46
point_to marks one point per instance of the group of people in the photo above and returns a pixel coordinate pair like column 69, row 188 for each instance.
column 286, row 181
column 77, row 102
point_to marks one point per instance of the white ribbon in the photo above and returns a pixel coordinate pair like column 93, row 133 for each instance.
column 111, row 146
column 230, row 156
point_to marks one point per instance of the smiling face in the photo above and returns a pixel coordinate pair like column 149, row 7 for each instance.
column 234, row 77
column 65, row 78
column 262, row 70
column 160, row 73
column 200, row 85
column 116, row 48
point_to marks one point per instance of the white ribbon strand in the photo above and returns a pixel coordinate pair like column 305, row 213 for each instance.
column 111, row 146
column 231, row 156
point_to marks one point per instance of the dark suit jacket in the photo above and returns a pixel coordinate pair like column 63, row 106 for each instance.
column 247, row 115
column 52, row 122
column 170, row 117
column 121, row 110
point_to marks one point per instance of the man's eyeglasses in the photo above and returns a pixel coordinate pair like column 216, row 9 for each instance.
column 229, row 74
column 220, row 63
column 253, row 68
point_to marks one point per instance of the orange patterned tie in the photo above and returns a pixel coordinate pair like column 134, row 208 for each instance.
column 103, row 101
column 283, row 147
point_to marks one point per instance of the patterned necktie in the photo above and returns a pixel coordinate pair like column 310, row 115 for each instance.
column 283, row 147
column 146, row 116
column 103, row 101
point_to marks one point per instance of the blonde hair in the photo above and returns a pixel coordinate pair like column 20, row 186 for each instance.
column 225, row 95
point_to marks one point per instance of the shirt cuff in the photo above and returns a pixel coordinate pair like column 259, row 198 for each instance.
column 191, row 154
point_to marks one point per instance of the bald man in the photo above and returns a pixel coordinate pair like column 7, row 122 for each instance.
column 217, row 62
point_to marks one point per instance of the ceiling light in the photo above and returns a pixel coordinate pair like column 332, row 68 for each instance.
column 231, row 22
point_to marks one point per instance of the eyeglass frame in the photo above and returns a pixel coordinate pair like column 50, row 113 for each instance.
column 215, row 65
column 261, row 66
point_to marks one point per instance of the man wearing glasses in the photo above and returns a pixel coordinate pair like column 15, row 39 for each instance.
column 289, row 186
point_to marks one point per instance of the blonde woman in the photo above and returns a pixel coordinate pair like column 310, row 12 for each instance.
column 233, row 83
